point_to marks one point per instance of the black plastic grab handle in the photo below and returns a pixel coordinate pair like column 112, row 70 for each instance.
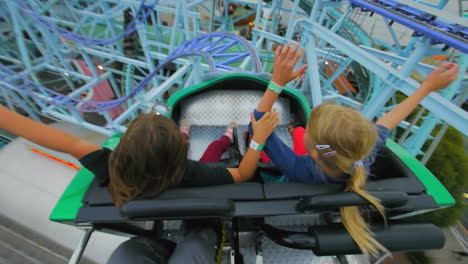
column 333, row 201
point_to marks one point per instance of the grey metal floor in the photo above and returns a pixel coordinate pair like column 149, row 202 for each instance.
column 209, row 113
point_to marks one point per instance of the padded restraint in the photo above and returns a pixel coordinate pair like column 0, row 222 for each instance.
column 178, row 208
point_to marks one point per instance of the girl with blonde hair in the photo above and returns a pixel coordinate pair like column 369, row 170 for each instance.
column 339, row 143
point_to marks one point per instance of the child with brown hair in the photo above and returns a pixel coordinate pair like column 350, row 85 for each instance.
column 150, row 157
column 339, row 143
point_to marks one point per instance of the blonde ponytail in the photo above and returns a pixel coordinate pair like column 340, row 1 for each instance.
column 354, row 222
column 345, row 137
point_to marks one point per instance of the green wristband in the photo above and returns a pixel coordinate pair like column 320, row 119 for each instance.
column 255, row 146
column 275, row 87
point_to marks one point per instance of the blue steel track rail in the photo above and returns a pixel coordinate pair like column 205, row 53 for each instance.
column 423, row 23
column 141, row 16
column 209, row 46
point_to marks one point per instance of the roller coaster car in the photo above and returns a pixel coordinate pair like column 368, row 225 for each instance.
column 402, row 184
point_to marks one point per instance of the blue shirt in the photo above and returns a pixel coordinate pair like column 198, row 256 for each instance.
column 303, row 168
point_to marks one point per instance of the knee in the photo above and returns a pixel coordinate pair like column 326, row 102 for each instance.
column 141, row 250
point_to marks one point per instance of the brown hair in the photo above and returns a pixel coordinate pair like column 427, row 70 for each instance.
column 150, row 158
column 352, row 136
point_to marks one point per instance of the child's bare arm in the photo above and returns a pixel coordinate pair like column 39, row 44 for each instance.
column 436, row 80
column 44, row 135
column 262, row 130
column 286, row 59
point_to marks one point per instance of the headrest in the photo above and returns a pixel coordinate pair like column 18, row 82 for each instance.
column 99, row 196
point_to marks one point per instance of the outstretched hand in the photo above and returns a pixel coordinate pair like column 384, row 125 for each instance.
column 286, row 58
column 436, row 80
column 264, row 127
column 441, row 77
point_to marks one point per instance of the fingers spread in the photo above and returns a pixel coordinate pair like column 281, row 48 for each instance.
column 299, row 72
column 292, row 52
column 298, row 56
column 278, row 51
column 285, row 50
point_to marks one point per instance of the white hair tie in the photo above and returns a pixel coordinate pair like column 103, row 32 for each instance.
column 358, row 163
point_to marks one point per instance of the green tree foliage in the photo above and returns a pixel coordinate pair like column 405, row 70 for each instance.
column 449, row 164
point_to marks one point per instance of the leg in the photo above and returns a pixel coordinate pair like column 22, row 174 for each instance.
column 216, row 149
column 142, row 251
column 198, row 247
column 298, row 141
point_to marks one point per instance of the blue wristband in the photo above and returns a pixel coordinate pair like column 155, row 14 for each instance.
column 275, row 87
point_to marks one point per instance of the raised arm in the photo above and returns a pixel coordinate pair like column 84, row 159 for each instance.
column 261, row 131
column 44, row 135
column 286, row 59
column 436, row 80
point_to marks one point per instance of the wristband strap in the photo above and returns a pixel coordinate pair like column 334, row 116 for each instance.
column 275, row 87
column 255, row 146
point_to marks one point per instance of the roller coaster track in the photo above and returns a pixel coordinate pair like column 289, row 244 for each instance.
column 215, row 48
column 141, row 16
column 453, row 35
